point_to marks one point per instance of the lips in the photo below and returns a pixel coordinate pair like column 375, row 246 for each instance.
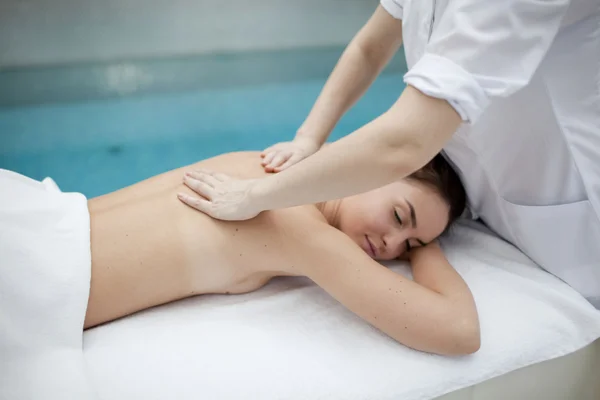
column 371, row 249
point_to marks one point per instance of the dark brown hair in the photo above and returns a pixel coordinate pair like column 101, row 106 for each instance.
column 440, row 175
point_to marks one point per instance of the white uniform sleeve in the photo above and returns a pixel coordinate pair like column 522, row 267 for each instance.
column 480, row 49
column 393, row 7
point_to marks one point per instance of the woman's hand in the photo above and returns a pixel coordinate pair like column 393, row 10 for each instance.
column 222, row 198
column 418, row 251
column 285, row 154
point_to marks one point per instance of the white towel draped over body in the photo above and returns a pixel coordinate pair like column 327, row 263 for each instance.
column 45, row 267
column 289, row 340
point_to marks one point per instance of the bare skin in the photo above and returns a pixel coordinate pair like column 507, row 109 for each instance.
column 149, row 249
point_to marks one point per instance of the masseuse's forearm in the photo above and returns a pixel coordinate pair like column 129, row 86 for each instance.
column 351, row 77
column 364, row 58
column 391, row 147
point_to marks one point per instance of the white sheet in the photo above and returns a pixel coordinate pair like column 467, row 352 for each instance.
column 290, row 340
column 44, row 287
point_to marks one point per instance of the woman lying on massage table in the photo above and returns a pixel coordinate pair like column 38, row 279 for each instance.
column 148, row 248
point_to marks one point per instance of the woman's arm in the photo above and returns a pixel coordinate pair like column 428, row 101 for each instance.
column 391, row 147
column 364, row 58
column 469, row 59
column 362, row 61
column 434, row 313
column 388, row 148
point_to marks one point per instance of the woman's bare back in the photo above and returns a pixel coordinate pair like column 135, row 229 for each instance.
column 149, row 249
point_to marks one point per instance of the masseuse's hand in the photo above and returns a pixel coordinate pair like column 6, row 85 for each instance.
column 222, row 197
column 285, row 154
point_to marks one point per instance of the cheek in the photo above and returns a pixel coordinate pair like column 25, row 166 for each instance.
column 364, row 214
column 380, row 222
column 353, row 224
column 355, row 219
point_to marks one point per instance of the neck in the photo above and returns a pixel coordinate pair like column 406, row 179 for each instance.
column 331, row 211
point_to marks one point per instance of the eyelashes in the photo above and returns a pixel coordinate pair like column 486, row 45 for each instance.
column 407, row 242
column 398, row 218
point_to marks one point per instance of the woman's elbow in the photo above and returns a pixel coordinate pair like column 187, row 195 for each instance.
column 460, row 338
column 466, row 336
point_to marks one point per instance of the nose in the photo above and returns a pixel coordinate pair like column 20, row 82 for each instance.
column 393, row 244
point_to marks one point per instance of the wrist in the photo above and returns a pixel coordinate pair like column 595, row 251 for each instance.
column 312, row 136
column 258, row 194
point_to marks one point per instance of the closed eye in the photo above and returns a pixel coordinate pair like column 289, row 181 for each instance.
column 409, row 247
column 398, row 218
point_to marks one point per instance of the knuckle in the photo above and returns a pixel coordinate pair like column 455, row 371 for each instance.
column 198, row 186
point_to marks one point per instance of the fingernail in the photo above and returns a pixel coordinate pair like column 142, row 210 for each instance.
column 181, row 195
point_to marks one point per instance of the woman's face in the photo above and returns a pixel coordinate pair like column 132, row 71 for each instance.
column 388, row 221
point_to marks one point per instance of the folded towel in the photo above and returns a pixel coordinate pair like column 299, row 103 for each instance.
column 45, row 267
column 290, row 340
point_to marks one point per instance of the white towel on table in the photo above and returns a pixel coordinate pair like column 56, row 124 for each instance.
column 44, row 288
column 290, row 340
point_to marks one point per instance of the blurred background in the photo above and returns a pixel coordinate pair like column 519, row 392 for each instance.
column 102, row 94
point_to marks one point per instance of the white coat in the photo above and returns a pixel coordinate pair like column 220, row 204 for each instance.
column 524, row 75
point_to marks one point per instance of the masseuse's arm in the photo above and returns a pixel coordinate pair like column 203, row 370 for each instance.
column 363, row 59
column 475, row 53
column 434, row 313
column 388, row 148
column 469, row 60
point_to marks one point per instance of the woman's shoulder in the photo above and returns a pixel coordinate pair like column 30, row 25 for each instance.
column 317, row 236
column 241, row 164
